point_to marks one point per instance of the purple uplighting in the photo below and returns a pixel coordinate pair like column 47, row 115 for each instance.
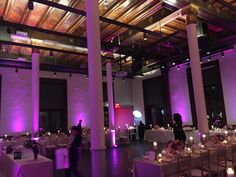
column 179, row 94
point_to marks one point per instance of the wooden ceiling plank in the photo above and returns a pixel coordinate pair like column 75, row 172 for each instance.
column 7, row 9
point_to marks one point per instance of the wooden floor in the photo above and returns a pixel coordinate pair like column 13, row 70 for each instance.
column 115, row 162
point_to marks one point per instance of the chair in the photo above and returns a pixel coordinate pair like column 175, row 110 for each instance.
column 183, row 166
column 232, row 162
column 219, row 166
column 204, row 170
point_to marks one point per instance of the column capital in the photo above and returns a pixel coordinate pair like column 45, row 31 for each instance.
column 35, row 50
column 190, row 12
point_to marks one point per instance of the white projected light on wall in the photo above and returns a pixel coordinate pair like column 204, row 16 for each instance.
column 137, row 114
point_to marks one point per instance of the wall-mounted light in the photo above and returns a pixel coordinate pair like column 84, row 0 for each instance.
column 173, row 63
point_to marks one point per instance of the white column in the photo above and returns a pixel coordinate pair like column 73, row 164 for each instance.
column 111, row 104
column 35, row 91
column 95, row 76
column 197, row 78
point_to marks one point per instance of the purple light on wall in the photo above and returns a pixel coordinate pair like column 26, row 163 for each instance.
column 113, row 138
column 179, row 94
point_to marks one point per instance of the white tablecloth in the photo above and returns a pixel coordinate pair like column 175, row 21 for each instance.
column 163, row 136
column 147, row 168
column 27, row 167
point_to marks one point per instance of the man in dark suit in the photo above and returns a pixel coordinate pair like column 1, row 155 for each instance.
column 74, row 152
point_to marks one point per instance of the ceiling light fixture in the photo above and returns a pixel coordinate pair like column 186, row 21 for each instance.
column 222, row 54
column 144, row 36
column 209, row 58
column 51, row 54
column 31, row 5
column 9, row 30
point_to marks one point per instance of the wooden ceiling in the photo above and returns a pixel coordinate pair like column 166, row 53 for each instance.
column 124, row 35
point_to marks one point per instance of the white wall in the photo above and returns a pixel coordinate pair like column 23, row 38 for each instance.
column 16, row 111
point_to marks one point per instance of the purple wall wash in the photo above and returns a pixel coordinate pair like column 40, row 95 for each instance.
column 179, row 94
column 228, row 78
column 16, row 113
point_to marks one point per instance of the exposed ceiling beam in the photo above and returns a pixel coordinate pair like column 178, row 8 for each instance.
column 226, row 4
column 45, row 48
column 104, row 19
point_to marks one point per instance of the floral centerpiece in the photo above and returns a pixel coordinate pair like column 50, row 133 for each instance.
column 174, row 147
column 217, row 138
column 34, row 145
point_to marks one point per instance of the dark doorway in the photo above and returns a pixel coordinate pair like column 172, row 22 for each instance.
column 213, row 95
column 53, row 104
column 157, row 101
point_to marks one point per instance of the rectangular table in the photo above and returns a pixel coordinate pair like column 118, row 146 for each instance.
column 147, row 168
column 27, row 167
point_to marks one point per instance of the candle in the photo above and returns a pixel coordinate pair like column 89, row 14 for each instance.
column 50, row 133
column 155, row 145
column 191, row 140
column 159, row 158
column 151, row 126
column 230, row 172
column 5, row 136
column 27, row 134
column 226, row 133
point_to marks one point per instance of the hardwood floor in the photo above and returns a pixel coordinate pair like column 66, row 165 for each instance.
column 112, row 162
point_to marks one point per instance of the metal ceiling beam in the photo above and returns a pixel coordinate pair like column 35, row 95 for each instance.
column 104, row 19
column 226, row 4
column 45, row 48
column 22, row 26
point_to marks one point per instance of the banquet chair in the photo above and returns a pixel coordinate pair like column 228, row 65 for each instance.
column 204, row 170
column 219, row 166
column 232, row 162
column 183, row 167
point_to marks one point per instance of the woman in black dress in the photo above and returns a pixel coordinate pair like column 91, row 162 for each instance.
column 178, row 128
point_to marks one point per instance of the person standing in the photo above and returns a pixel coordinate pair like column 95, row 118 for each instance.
column 74, row 152
column 79, row 126
column 178, row 128
column 141, row 129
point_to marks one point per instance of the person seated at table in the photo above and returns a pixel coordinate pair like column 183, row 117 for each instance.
column 74, row 152
column 141, row 129
column 178, row 128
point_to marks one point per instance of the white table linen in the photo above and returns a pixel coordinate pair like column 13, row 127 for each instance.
column 26, row 167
